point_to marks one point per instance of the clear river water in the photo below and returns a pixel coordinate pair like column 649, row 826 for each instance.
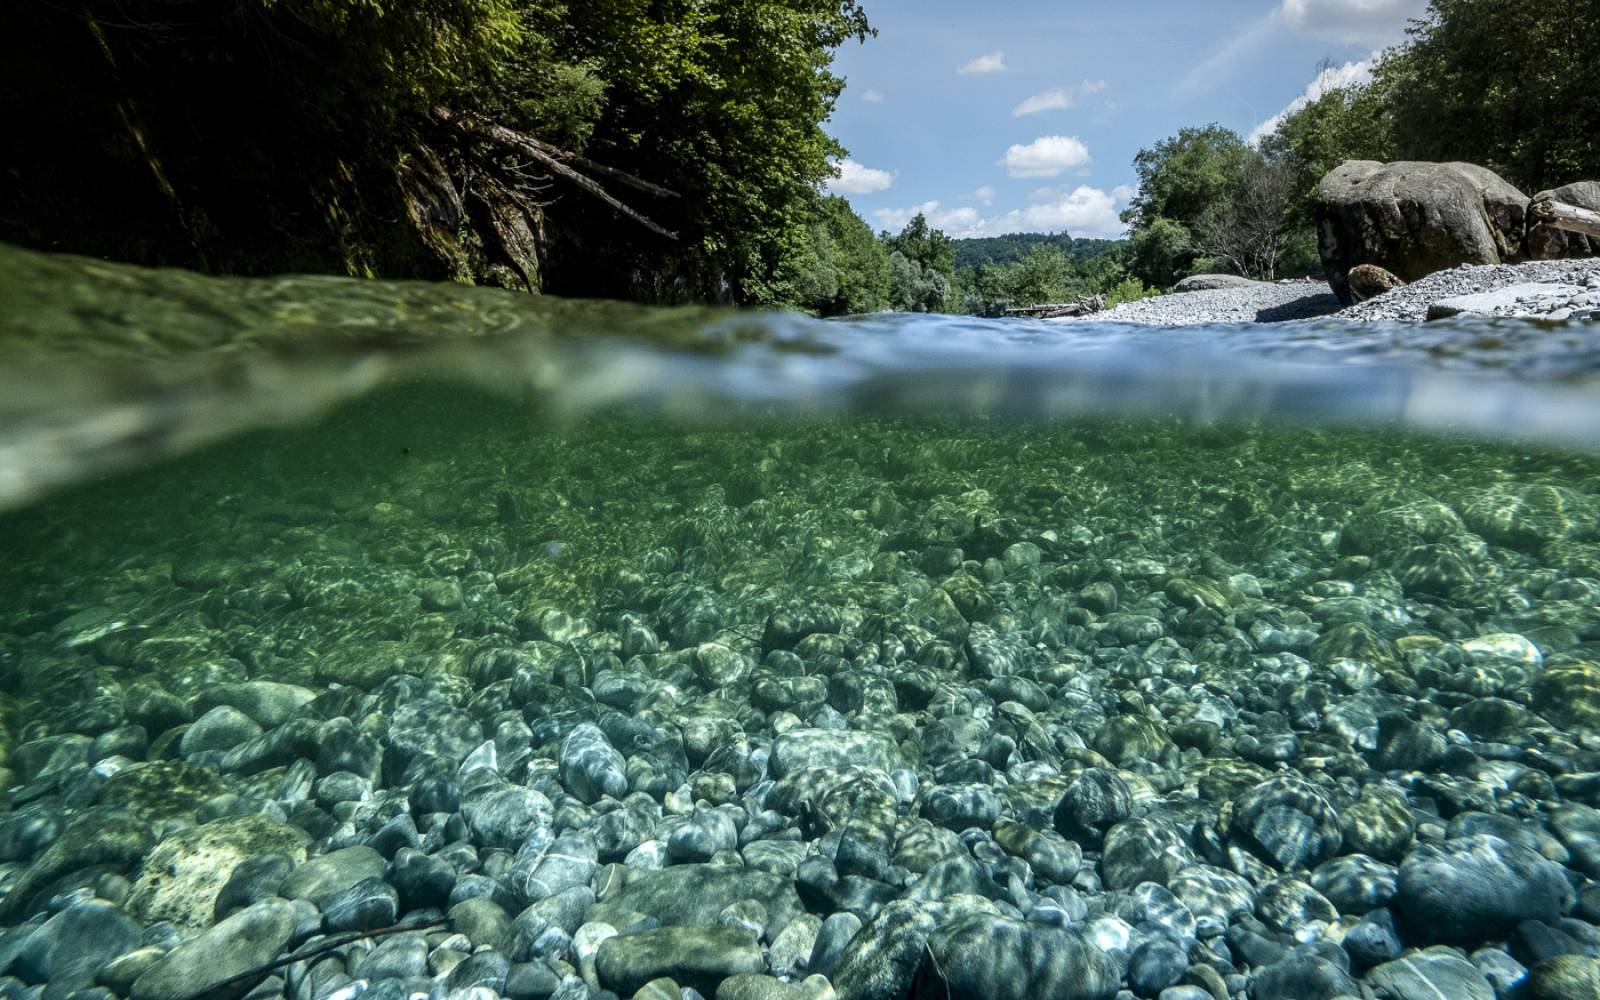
column 401, row 640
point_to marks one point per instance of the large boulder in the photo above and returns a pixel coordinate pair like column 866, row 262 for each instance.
column 1546, row 242
column 1413, row 219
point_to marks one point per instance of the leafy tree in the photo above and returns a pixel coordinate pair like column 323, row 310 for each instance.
column 1512, row 85
column 1346, row 123
column 914, row 288
column 862, row 262
column 1160, row 251
column 458, row 138
column 970, row 253
column 834, row 266
column 927, row 246
column 1180, row 179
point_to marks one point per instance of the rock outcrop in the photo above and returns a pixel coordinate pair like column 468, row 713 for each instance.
column 1413, row 219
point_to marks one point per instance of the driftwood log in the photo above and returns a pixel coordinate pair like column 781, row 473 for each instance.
column 1570, row 218
column 1061, row 310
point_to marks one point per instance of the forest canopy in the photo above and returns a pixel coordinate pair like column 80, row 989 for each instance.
column 664, row 149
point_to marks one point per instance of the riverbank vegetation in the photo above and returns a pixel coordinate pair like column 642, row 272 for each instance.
column 670, row 150
column 665, row 150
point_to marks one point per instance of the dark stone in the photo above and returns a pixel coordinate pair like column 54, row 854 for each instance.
column 367, row 905
column 1428, row 975
column 699, row 956
column 1096, row 800
column 253, row 880
column 1478, row 888
column 245, row 940
column 982, row 956
column 1154, row 966
column 71, row 946
column 423, row 881
column 1374, row 940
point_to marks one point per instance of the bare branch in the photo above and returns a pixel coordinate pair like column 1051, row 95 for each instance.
column 505, row 137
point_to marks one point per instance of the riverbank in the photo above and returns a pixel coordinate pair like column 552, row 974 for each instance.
column 1571, row 289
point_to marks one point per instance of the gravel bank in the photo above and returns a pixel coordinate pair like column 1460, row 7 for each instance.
column 1262, row 302
column 1410, row 304
column 1297, row 300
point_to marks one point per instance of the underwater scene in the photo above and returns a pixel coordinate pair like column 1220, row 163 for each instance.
column 388, row 641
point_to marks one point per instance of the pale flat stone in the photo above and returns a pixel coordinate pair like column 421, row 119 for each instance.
column 1527, row 299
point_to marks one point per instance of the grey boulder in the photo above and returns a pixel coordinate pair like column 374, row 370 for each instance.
column 1415, row 218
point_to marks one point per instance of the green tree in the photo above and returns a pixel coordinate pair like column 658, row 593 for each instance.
column 914, row 288
column 863, row 262
column 1180, row 179
column 1512, row 85
column 1160, row 251
column 459, row 138
column 923, row 244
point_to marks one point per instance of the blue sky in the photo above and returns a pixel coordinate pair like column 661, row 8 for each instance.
column 1025, row 115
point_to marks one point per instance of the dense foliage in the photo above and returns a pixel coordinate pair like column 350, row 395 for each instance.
column 435, row 138
column 1511, row 85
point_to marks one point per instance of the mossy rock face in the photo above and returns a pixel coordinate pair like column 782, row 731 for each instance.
column 182, row 876
column 1568, row 694
column 161, row 790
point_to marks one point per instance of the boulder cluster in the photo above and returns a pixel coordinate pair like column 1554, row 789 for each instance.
column 1408, row 220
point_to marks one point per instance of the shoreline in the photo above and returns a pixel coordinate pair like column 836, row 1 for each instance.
column 1569, row 289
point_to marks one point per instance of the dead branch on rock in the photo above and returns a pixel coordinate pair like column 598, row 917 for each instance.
column 1570, row 218
column 559, row 162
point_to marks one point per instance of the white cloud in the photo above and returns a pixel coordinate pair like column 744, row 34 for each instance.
column 1365, row 22
column 873, row 97
column 1331, row 78
column 1058, row 98
column 856, row 179
column 1046, row 156
column 994, row 62
column 1376, row 23
column 1084, row 211
column 957, row 222
column 984, row 195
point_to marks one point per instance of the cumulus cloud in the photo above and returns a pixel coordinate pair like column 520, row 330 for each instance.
column 1046, row 156
column 957, row 222
column 873, row 97
column 1365, row 22
column 984, row 195
column 856, row 179
column 1058, row 98
column 1084, row 211
column 994, row 62
column 1331, row 78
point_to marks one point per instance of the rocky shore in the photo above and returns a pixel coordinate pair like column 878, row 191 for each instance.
column 1571, row 291
column 846, row 709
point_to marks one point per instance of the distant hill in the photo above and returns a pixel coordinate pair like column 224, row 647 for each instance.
column 970, row 253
